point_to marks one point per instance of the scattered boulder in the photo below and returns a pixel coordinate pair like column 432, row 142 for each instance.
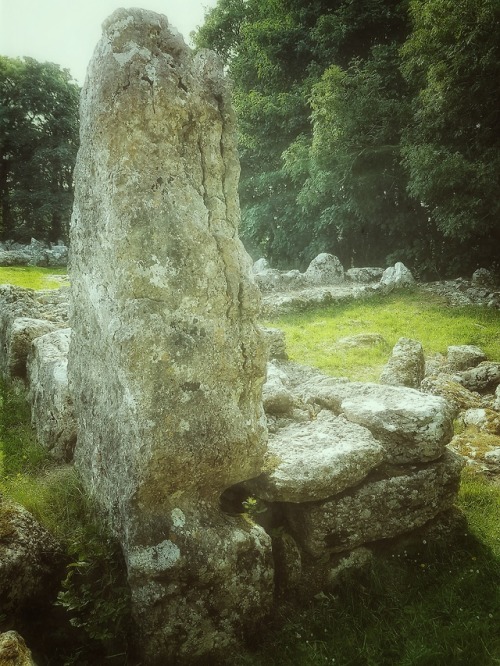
column 396, row 277
column 406, row 366
column 277, row 399
column 14, row 651
column 261, row 265
column 496, row 400
column 384, row 506
column 19, row 337
column 325, row 269
column 31, row 561
column 482, row 378
column 412, row 426
column 482, row 277
column 52, row 412
column 276, row 343
column 317, row 459
column 364, row 275
column 361, row 340
column 463, row 357
column 447, row 386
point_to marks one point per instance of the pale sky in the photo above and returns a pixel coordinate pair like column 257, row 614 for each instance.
column 66, row 31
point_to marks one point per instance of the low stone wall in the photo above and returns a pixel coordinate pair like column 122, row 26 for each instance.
column 37, row 253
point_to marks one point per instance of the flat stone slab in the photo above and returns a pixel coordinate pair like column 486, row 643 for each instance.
column 317, row 459
column 412, row 426
column 398, row 502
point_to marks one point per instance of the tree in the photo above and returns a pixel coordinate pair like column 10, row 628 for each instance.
column 277, row 52
column 452, row 148
column 38, row 145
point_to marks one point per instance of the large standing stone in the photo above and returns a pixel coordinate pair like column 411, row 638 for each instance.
column 166, row 361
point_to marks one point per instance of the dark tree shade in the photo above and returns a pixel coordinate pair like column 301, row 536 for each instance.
column 38, row 145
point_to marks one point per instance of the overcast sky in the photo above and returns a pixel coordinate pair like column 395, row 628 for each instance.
column 66, row 31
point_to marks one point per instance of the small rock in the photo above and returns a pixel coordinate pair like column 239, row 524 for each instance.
column 484, row 377
column 483, row 278
column 325, row 269
column 406, row 366
column 14, row 651
column 463, row 357
column 396, row 277
column 361, row 340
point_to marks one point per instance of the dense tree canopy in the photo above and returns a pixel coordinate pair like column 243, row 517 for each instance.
column 367, row 128
column 38, row 144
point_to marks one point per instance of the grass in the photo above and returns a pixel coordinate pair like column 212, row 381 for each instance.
column 424, row 603
column 95, row 620
column 32, row 277
column 312, row 336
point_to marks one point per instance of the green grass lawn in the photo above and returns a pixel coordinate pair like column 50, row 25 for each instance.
column 312, row 336
column 32, row 277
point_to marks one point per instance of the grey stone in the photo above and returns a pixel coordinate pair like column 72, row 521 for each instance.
column 52, row 412
column 396, row 277
column 325, row 269
column 31, row 561
column 276, row 343
column 19, row 337
column 406, row 365
column 463, row 357
column 14, row 651
column 482, row 277
column 379, row 508
column 412, row 426
column 317, row 459
column 484, row 377
column 166, row 360
column 364, row 275
column 277, row 399
column 260, row 265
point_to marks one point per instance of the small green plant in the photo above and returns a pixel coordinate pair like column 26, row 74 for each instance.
column 253, row 506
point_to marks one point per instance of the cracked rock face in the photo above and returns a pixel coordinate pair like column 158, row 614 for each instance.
column 166, row 362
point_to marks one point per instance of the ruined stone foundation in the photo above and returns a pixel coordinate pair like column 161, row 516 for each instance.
column 166, row 363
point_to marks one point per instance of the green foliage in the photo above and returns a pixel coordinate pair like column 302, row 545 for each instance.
column 451, row 148
column 32, row 277
column 38, row 144
column 312, row 336
column 367, row 129
column 94, row 592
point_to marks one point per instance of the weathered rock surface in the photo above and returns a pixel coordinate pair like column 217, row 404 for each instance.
column 276, row 343
column 31, row 561
column 411, row 426
column 484, row 377
column 14, row 651
column 404, row 499
column 166, row 361
column 364, row 275
column 325, row 269
column 24, row 315
column 52, row 412
column 396, row 277
column 463, row 357
column 277, row 399
column 406, row 365
column 20, row 335
column 317, row 459
column 482, row 277
column 445, row 385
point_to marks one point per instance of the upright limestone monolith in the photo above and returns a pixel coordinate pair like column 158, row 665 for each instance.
column 166, row 362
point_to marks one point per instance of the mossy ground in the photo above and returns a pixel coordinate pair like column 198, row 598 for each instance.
column 33, row 277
